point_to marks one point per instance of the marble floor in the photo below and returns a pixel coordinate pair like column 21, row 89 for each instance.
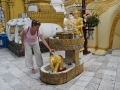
column 100, row 73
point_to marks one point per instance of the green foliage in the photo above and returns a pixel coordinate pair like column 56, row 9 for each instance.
column 92, row 21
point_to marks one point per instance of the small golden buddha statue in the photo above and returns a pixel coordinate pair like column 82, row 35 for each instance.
column 77, row 23
column 56, row 63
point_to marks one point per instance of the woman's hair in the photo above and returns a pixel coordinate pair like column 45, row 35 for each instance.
column 35, row 23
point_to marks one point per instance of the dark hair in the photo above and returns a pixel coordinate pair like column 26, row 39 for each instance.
column 35, row 23
column 71, row 13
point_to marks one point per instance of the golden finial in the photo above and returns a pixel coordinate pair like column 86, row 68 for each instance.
column 76, row 11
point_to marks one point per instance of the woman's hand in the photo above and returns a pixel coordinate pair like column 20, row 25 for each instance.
column 52, row 50
column 23, row 47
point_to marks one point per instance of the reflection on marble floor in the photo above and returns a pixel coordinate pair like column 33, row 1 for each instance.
column 100, row 73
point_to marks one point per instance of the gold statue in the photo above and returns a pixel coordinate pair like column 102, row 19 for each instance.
column 75, row 24
column 56, row 63
column 1, row 28
column 79, row 23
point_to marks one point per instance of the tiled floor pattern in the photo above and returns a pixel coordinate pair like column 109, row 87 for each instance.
column 100, row 73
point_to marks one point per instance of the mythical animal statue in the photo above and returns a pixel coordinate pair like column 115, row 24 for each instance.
column 56, row 63
column 48, row 29
column 9, row 24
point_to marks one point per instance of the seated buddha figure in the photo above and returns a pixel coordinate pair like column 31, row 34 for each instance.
column 77, row 23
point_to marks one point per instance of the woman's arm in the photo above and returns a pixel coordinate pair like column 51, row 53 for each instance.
column 44, row 42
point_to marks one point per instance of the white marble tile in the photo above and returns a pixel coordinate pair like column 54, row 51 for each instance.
column 47, row 88
column 14, row 82
column 114, row 59
column 99, row 75
column 81, row 83
column 107, row 83
column 25, row 69
column 93, row 69
column 7, row 64
column 112, row 65
column 95, row 80
column 91, row 74
column 75, row 87
column 36, row 85
column 85, row 58
column 116, row 52
column 1, row 65
column 104, row 66
column 89, row 62
column 8, row 77
column 109, row 77
column 5, row 86
column 103, row 87
column 3, row 70
column 1, row 80
column 117, row 86
column 67, row 85
column 35, row 76
column 97, row 63
column 17, row 84
column 85, row 78
column 101, row 71
column 110, row 72
column 15, row 71
column 92, row 86
column 19, row 75
column 29, row 81
column 117, row 78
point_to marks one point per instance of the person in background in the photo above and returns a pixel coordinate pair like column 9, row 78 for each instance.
column 30, row 41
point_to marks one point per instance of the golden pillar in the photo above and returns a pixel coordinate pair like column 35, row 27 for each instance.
column 11, row 4
column 25, row 6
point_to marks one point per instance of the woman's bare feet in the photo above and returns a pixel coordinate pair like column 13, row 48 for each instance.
column 33, row 71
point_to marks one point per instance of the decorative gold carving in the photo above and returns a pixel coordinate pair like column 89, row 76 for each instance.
column 1, row 28
column 101, row 7
column 11, row 4
column 116, row 19
column 69, row 2
column 48, row 17
column 46, row 8
column 66, row 44
column 88, row 1
column 38, row 1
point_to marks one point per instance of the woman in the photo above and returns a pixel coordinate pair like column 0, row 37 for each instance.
column 30, row 41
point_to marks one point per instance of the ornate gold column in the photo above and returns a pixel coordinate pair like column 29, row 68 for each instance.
column 25, row 5
column 11, row 4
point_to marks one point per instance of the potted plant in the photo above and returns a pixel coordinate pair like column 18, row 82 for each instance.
column 91, row 21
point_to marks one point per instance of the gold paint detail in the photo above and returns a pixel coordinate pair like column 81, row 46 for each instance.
column 101, row 7
column 116, row 19
column 48, row 17
column 1, row 28
column 88, row 1
column 69, row 2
